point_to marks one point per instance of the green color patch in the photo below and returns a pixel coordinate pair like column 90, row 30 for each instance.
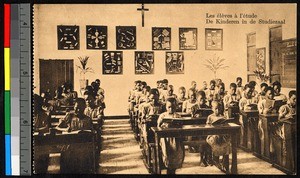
column 7, row 114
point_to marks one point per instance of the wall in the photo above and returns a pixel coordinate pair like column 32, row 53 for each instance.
column 47, row 17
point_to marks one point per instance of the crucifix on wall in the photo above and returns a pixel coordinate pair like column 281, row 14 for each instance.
column 142, row 10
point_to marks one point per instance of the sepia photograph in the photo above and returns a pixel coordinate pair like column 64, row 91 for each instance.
column 219, row 99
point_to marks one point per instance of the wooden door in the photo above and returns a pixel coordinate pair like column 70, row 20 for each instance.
column 275, row 36
column 54, row 73
column 251, row 56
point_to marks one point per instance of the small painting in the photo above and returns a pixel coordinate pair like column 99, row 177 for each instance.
column 112, row 62
column 144, row 62
column 187, row 38
column 174, row 63
column 126, row 37
column 161, row 38
column 68, row 37
column 213, row 39
column 96, row 37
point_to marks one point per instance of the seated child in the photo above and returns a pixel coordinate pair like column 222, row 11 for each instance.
column 247, row 102
column 288, row 111
column 262, row 94
column 220, row 144
column 231, row 99
column 180, row 99
column 194, row 86
column 172, row 148
column 265, row 106
column 210, row 92
column 201, row 104
column 204, row 88
column 197, row 112
column 42, row 123
column 219, row 95
column 188, row 104
column 164, row 89
column 74, row 160
column 252, row 85
column 240, row 88
column 169, row 94
column 277, row 90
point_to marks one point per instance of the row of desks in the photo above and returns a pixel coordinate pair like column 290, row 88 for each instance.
column 257, row 136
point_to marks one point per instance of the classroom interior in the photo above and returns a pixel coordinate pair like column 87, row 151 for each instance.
column 116, row 147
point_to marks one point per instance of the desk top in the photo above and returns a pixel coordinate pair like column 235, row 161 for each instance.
column 183, row 114
column 195, row 130
column 270, row 115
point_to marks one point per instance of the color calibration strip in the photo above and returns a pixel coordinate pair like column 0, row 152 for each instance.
column 7, row 106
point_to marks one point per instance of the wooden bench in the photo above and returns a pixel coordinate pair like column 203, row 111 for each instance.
column 56, row 142
column 249, row 140
column 231, row 129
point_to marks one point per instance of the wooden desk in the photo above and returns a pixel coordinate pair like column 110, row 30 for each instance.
column 184, row 114
column 147, row 135
column 284, row 148
column 265, row 135
column 234, row 112
column 230, row 129
column 249, row 140
column 49, row 143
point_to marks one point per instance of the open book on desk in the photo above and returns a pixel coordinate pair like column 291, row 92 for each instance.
column 223, row 121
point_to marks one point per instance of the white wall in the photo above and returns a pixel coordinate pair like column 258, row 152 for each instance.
column 47, row 17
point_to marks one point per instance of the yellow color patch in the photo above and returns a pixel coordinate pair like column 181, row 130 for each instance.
column 7, row 69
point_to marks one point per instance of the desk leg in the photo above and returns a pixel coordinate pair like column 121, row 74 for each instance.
column 157, row 165
column 234, row 153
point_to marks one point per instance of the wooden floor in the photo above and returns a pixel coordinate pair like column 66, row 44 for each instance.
column 121, row 155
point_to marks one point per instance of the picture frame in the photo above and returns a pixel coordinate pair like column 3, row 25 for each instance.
column 96, row 37
column 68, row 37
column 213, row 39
column 174, row 62
column 188, row 39
column 161, row 38
column 144, row 62
column 261, row 59
column 125, row 37
column 112, row 62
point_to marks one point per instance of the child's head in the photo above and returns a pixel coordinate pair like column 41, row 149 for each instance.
column 170, row 90
column 212, row 84
column 204, row 84
column 239, row 81
column 171, row 105
column 182, row 92
column 153, row 95
column 146, row 90
column 270, row 93
column 218, row 81
column 252, row 85
column 98, row 82
column 89, row 99
column 138, row 85
column 158, row 83
column 221, row 88
column 215, row 106
column 193, row 85
column 165, row 83
column 143, row 84
column 263, row 88
column 201, row 97
column 192, row 94
column 277, row 87
column 232, row 88
column 293, row 97
column 248, row 91
column 79, row 106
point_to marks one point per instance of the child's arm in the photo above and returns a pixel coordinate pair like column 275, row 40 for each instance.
column 282, row 112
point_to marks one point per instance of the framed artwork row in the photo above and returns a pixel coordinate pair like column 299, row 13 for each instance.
column 112, row 62
column 126, row 38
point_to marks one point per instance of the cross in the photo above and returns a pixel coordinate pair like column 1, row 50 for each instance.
column 142, row 9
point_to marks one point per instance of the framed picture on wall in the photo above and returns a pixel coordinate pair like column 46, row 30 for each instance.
column 68, row 37
column 261, row 59
column 112, row 62
column 174, row 62
column 161, row 38
column 144, row 62
column 213, row 39
column 187, row 38
column 126, row 37
column 96, row 37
